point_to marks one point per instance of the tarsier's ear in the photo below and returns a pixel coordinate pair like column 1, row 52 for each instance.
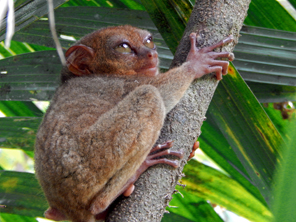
column 78, row 59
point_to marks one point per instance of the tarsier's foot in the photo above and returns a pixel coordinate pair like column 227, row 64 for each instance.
column 194, row 148
column 157, row 151
column 150, row 160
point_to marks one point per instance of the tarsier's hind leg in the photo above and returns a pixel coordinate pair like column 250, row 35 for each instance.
column 120, row 141
column 135, row 127
column 156, row 152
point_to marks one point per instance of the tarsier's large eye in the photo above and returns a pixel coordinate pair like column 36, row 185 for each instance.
column 149, row 43
column 123, row 48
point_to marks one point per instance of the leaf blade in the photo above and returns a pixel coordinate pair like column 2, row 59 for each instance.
column 247, row 129
column 21, row 194
column 214, row 186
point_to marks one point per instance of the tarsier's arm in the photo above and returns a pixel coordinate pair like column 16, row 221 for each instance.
column 173, row 84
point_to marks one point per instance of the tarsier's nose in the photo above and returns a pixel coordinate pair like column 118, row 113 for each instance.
column 152, row 54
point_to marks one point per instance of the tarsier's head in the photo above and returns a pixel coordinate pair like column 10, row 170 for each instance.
column 121, row 50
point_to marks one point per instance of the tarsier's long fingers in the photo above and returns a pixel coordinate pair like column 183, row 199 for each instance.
column 219, row 44
column 150, row 161
column 179, row 154
column 193, row 41
column 217, row 70
column 167, row 144
column 228, row 55
column 221, row 63
column 227, row 40
column 173, row 163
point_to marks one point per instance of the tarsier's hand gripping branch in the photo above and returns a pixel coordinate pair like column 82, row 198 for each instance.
column 97, row 135
column 203, row 60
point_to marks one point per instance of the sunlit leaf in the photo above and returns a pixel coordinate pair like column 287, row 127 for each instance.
column 187, row 207
column 214, row 145
column 248, row 130
column 18, row 132
column 17, row 108
column 284, row 125
column 270, row 14
column 13, row 217
column 21, row 194
column 214, row 186
column 285, row 192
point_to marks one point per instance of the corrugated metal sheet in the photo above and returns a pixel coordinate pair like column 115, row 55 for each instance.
column 262, row 55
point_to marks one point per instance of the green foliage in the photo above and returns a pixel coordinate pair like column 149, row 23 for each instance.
column 214, row 145
column 15, row 217
column 285, row 192
column 285, row 126
column 23, row 195
column 187, row 207
column 248, row 130
column 270, row 14
column 18, row 108
column 219, row 189
column 238, row 135
column 18, row 132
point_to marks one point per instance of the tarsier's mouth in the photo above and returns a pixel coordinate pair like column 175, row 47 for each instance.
column 149, row 71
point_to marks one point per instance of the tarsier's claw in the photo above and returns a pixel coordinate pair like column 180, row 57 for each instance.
column 228, row 39
column 167, row 144
column 231, row 57
column 175, row 163
column 193, row 35
column 194, row 148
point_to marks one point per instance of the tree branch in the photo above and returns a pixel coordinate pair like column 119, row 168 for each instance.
column 212, row 20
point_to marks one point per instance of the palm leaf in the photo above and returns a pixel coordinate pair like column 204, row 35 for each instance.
column 212, row 185
column 21, row 194
column 19, row 90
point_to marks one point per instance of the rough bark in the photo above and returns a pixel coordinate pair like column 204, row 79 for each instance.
column 212, row 20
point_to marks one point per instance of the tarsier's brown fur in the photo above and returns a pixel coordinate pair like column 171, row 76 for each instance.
column 106, row 116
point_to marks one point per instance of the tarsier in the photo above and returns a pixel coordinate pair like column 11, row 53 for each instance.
column 97, row 135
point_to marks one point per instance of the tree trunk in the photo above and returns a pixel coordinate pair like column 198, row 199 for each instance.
column 212, row 20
